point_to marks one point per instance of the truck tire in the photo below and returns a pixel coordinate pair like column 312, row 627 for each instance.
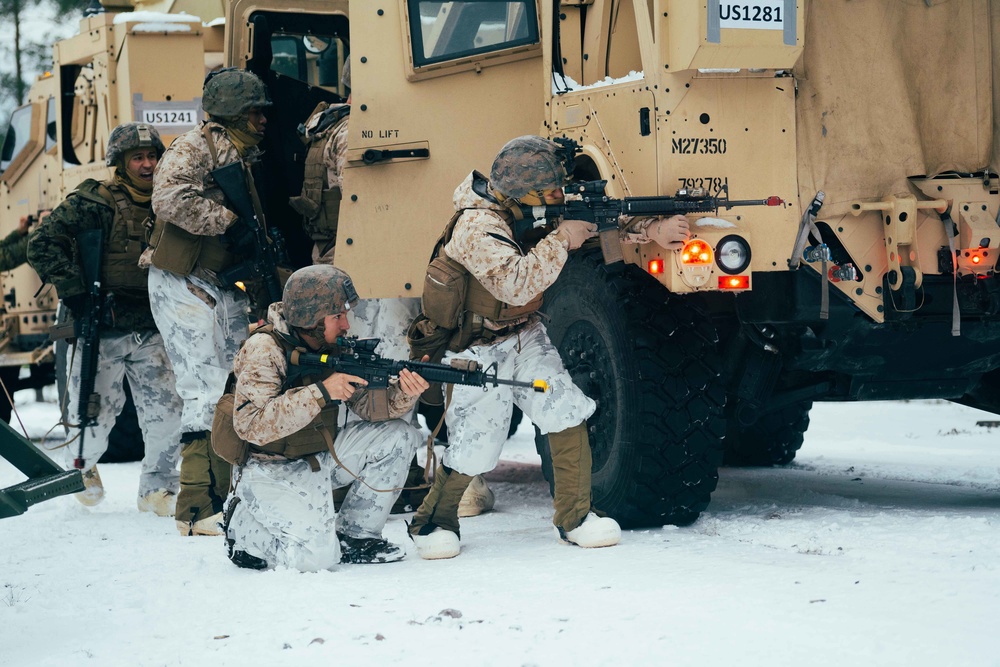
column 649, row 359
column 772, row 440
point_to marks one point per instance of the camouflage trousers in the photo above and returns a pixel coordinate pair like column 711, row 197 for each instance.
column 203, row 327
column 141, row 358
column 478, row 420
column 283, row 512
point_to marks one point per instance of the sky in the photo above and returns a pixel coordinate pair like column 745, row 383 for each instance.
column 878, row 546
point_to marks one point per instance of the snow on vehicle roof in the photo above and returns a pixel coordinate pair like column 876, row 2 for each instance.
column 564, row 84
column 157, row 21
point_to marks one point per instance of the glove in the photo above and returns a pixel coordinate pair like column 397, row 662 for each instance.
column 240, row 239
column 575, row 232
column 77, row 304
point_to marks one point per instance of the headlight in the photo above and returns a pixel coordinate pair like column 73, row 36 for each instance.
column 733, row 254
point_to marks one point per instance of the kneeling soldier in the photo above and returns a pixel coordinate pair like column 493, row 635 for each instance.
column 281, row 511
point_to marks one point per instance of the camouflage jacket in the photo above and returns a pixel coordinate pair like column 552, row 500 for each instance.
column 184, row 193
column 483, row 243
column 270, row 414
column 53, row 253
column 13, row 251
column 335, row 154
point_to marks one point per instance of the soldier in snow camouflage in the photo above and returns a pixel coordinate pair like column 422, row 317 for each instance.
column 130, row 346
column 505, row 282
column 202, row 320
column 281, row 510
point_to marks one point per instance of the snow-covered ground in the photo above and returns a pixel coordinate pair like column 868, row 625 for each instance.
column 878, row 546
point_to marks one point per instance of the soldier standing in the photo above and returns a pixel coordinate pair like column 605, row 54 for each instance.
column 202, row 320
column 130, row 345
column 281, row 510
column 505, row 279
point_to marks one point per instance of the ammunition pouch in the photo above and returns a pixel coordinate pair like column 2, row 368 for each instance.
column 445, row 286
column 179, row 251
column 427, row 338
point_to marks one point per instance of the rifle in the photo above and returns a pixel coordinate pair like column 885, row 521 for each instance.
column 357, row 356
column 90, row 247
column 595, row 206
column 267, row 247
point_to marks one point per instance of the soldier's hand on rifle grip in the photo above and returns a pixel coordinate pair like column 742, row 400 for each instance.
column 575, row 232
column 412, row 383
column 670, row 233
column 240, row 239
column 341, row 386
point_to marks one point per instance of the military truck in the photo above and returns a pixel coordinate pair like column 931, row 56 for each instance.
column 712, row 353
column 874, row 280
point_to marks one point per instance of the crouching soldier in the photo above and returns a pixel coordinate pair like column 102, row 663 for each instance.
column 130, row 345
column 504, row 278
column 281, row 511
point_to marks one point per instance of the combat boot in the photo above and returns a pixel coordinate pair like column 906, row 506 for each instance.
column 368, row 550
column 434, row 529
column 161, row 502
column 478, row 498
column 595, row 531
column 204, row 486
column 93, row 489
column 571, row 461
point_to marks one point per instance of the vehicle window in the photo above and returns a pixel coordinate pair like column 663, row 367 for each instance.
column 442, row 31
column 309, row 58
column 17, row 135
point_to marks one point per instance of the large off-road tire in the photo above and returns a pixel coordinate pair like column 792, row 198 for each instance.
column 772, row 440
column 649, row 359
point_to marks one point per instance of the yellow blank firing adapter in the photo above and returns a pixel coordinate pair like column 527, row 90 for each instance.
column 541, row 386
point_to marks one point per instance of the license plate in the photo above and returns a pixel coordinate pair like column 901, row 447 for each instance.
column 170, row 116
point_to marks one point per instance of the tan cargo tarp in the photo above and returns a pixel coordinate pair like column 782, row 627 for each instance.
column 894, row 88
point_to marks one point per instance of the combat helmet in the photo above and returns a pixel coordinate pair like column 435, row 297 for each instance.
column 314, row 292
column 129, row 137
column 231, row 92
column 525, row 164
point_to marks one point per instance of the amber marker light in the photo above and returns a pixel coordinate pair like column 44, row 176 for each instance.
column 734, row 282
column 696, row 252
column 656, row 266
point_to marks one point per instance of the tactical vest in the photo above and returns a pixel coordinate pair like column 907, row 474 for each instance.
column 320, row 433
column 319, row 204
column 454, row 299
column 178, row 250
column 125, row 241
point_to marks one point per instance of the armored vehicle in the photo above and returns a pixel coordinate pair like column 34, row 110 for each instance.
column 874, row 280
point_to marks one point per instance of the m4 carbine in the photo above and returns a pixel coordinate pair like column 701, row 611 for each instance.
column 90, row 246
column 357, row 356
column 595, row 206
